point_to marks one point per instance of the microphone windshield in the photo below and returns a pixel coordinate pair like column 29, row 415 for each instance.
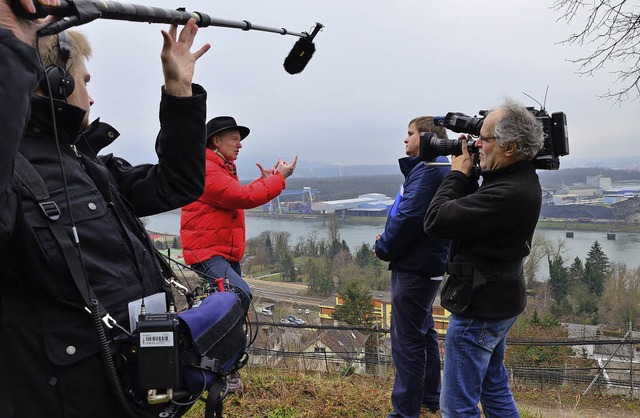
column 439, row 120
column 299, row 56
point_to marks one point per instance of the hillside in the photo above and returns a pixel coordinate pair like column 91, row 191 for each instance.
column 334, row 188
column 283, row 393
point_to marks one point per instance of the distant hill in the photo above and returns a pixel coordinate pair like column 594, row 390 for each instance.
column 569, row 176
column 321, row 170
column 334, row 188
column 347, row 181
column 347, row 187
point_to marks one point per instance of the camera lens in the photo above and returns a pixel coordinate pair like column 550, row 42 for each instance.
column 461, row 123
column 431, row 146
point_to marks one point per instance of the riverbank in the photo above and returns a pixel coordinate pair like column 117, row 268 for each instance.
column 549, row 224
column 562, row 225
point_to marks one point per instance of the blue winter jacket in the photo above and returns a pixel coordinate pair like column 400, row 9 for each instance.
column 404, row 243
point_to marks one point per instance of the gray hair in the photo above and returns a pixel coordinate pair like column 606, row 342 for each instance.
column 518, row 125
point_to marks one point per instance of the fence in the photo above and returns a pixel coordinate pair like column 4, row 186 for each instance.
column 302, row 347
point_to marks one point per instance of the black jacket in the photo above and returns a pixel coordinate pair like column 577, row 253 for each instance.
column 491, row 229
column 47, row 339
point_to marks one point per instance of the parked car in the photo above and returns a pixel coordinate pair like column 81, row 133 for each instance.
column 266, row 312
column 295, row 320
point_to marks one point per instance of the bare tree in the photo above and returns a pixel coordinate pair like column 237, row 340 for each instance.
column 620, row 303
column 537, row 254
column 541, row 250
column 613, row 28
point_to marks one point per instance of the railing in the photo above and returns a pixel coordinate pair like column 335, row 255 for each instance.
column 292, row 350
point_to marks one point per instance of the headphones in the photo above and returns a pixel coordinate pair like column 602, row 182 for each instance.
column 60, row 79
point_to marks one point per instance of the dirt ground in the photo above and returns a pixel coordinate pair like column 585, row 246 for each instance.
column 570, row 411
column 534, row 410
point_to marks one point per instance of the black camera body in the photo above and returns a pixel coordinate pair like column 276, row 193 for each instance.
column 554, row 126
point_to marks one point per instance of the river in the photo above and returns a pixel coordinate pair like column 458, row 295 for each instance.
column 624, row 249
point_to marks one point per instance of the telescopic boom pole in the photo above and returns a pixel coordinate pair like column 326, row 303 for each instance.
column 79, row 12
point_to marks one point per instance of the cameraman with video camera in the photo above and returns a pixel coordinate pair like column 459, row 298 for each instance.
column 66, row 213
column 491, row 228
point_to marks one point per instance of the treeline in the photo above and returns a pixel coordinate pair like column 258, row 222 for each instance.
column 588, row 291
column 327, row 265
column 592, row 291
column 336, row 188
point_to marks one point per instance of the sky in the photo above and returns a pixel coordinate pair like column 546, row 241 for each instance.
column 377, row 65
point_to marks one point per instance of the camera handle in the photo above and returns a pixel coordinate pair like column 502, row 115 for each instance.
column 434, row 164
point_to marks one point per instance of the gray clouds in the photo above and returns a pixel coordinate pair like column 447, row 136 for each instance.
column 377, row 65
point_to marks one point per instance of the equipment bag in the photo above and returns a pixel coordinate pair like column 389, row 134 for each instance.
column 217, row 345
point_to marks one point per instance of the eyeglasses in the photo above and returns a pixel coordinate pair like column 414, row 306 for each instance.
column 486, row 139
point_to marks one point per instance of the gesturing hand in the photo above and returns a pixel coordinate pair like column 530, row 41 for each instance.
column 264, row 173
column 287, row 168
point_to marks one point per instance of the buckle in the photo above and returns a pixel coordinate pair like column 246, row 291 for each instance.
column 211, row 364
column 50, row 209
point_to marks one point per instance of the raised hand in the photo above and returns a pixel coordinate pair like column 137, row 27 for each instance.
column 23, row 29
column 264, row 173
column 178, row 63
column 287, row 168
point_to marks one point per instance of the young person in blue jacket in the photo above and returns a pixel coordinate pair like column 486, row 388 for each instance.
column 417, row 263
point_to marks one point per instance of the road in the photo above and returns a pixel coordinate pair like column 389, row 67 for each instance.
column 282, row 292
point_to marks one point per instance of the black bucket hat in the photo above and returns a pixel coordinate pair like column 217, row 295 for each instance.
column 222, row 123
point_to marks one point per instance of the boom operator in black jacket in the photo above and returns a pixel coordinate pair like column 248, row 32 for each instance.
column 49, row 353
column 491, row 228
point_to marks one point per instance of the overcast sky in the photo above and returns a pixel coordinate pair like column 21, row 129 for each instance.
column 377, row 65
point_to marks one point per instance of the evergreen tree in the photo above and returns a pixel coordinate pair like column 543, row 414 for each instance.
column 576, row 271
column 288, row 268
column 596, row 268
column 535, row 318
column 320, row 278
column 365, row 255
column 334, row 248
column 344, row 247
column 269, row 253
column 558, row 278
column 357, row 304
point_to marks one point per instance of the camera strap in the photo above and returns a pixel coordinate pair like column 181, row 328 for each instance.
column 27, row 175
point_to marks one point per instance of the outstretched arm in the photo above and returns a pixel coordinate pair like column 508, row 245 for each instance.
column 178, row 178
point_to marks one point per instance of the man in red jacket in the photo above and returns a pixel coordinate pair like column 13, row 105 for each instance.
column 212, row 228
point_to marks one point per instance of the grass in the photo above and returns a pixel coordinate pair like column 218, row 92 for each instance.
column 283, row 393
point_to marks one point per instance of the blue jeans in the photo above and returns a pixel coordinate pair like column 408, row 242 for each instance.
column 414, row 344
column 474, row 371
column 218, row 266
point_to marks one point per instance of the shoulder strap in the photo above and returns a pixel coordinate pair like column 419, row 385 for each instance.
column 27, row 175
column 32, row 181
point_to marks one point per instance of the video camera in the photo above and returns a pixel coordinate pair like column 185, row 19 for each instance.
column 556, row 140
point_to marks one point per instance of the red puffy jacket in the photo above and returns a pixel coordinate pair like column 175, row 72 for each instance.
column 214, row 224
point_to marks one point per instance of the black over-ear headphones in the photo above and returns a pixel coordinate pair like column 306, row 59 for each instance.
column 60, row 79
